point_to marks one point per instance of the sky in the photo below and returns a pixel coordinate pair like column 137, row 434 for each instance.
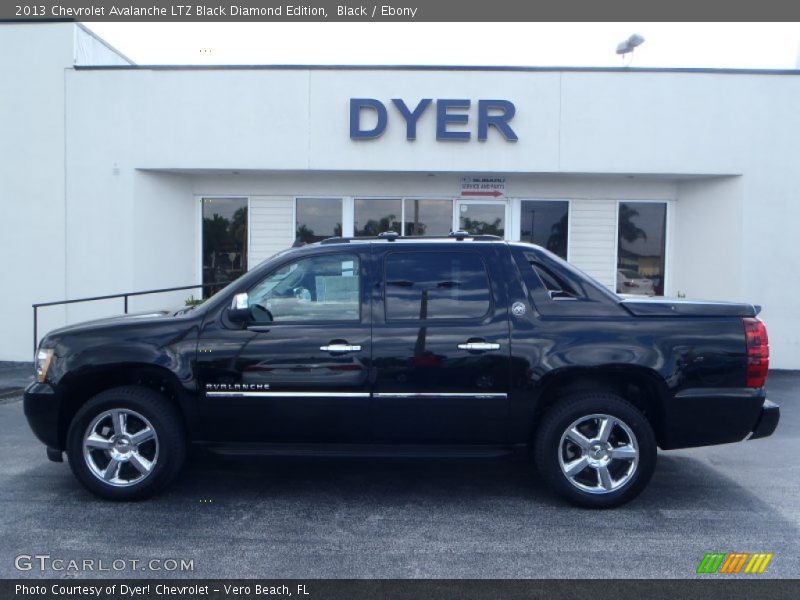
column 709, row 45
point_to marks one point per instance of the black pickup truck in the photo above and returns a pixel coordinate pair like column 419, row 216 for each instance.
column 466, row 346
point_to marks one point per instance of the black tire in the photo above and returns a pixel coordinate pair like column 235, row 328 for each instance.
column 549, row 453
column 168, row 446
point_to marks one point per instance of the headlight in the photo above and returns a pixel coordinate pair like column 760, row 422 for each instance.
column 44, row 359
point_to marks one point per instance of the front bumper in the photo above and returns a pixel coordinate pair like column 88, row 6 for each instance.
column 768, row 421
column 43, row 407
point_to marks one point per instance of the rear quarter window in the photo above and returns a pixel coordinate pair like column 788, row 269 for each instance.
column 558, row 289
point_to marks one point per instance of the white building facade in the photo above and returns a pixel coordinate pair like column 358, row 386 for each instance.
column 117, row 178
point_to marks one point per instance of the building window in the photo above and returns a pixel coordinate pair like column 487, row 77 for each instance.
column 641, row 232
column 436, row 285
column 317, row 219
column 427, row 217
column 224, row 241
column 482, row 219
column 546, row 224
column 374, row 216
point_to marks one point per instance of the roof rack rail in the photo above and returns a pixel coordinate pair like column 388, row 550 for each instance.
column 480, row 237
column 393, row 236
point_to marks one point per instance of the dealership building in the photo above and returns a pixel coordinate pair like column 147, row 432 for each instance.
column 116, row 177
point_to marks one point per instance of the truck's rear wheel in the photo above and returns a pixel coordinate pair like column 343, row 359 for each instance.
column 126, row 443
column 595, row 449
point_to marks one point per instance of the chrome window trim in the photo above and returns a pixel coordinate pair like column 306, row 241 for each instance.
column 288, row 394
column 379, row 395
column 497, row 395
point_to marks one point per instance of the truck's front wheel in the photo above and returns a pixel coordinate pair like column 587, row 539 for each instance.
column 596, row 449
column 126, row 443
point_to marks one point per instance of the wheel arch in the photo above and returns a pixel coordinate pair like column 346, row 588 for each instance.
column 79, row 387
column 641, row 386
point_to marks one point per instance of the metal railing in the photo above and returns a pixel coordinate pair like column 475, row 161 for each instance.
column 124, row 295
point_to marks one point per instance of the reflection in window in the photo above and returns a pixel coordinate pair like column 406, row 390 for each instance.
column 483, row 219
column 441, row 285
column 553, row 283
column 224, row 241
column 318, row 288
column 376, row 216
column 640, row 258
column 317, row 219
column 428, row 217
column 546, row 224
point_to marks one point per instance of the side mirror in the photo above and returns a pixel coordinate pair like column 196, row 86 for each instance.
column 239, row 312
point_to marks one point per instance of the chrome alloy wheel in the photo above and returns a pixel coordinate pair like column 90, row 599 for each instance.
column 598, row 453
column 120, row 447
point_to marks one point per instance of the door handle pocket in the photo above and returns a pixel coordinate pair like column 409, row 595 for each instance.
column 341, row 348
column 479, row 346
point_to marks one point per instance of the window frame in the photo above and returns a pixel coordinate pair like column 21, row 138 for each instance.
column 343, row 214
column 518, row 224
column 669, row 215
column 450, row 199
column 504, row 203
column 199, row 198
column 379, row 199
column 479, row 319
column 354, row 255
column 403, row 200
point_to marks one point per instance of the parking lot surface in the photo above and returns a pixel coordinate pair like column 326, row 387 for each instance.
column 402, row 518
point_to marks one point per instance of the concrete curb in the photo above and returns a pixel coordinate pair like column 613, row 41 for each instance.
column 8, row 397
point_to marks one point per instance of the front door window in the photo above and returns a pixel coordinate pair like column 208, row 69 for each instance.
column 318, row 288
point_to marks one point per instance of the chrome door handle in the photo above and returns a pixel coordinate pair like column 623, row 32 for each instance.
column 478, row 346
column 341, row 348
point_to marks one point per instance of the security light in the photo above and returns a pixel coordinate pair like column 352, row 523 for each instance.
column 629, row 44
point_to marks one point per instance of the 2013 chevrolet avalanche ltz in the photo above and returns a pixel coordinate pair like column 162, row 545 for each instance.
column 464, row 345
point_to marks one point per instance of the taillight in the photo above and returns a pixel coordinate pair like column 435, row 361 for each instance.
column 755, row 335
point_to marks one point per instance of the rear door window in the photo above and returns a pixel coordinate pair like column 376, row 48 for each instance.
column 436, row 285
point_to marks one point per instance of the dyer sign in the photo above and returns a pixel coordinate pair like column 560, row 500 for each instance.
column 452, row 118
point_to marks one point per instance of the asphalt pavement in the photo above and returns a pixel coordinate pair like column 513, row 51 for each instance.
column 403, row 518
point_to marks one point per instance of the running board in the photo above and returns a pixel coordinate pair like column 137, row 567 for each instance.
column 361, row 450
